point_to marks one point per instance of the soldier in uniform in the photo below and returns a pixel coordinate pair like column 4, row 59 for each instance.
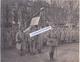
column 27, row 42
column 20, row 41
column 39, row 43
column 33, row 40
column 52, row 42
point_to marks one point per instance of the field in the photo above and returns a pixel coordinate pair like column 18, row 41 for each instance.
column 63, row 53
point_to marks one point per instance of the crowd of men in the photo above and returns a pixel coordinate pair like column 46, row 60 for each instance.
column 26, row 44
column 34, row 44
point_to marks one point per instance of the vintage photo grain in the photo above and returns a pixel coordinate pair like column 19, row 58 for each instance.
column 39, row 30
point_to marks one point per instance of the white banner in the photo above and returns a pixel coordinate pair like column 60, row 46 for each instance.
column 40, row 31
column 35, row 21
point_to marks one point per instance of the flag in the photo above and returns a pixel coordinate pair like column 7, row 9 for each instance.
column 35, row 21
column 40, row 31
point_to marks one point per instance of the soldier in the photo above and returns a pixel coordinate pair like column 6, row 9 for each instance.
column 28, row 43
column 33, row 41
column 39, row 43
column 52, row 42
column 20, row 41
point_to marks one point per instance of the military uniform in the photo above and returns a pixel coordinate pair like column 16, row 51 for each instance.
column 52, row 42
column 20, row 42
column 40, row 42
column 27, row 41
column 33, row 41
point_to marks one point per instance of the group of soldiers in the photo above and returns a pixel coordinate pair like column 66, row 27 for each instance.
column 34, row 45
column 25, row 44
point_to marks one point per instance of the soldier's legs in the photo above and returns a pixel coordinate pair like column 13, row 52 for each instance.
column 24, row 48
column 19, row 48
column 33, row 47
column 20, row 51
column 51, row 53
column 28, row 47
column 39, row 47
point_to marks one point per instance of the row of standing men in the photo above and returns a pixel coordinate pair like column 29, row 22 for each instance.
column 35, row 44
column 25, row 44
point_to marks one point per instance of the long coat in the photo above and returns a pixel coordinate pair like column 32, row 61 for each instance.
column 20, row 40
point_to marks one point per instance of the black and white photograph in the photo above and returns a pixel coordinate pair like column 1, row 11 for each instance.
column 39, row 31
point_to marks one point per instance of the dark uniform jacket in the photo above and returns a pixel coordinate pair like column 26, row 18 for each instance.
column 52, row 38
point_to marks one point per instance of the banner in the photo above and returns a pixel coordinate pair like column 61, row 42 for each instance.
column 40, row 31
column 35, row 21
